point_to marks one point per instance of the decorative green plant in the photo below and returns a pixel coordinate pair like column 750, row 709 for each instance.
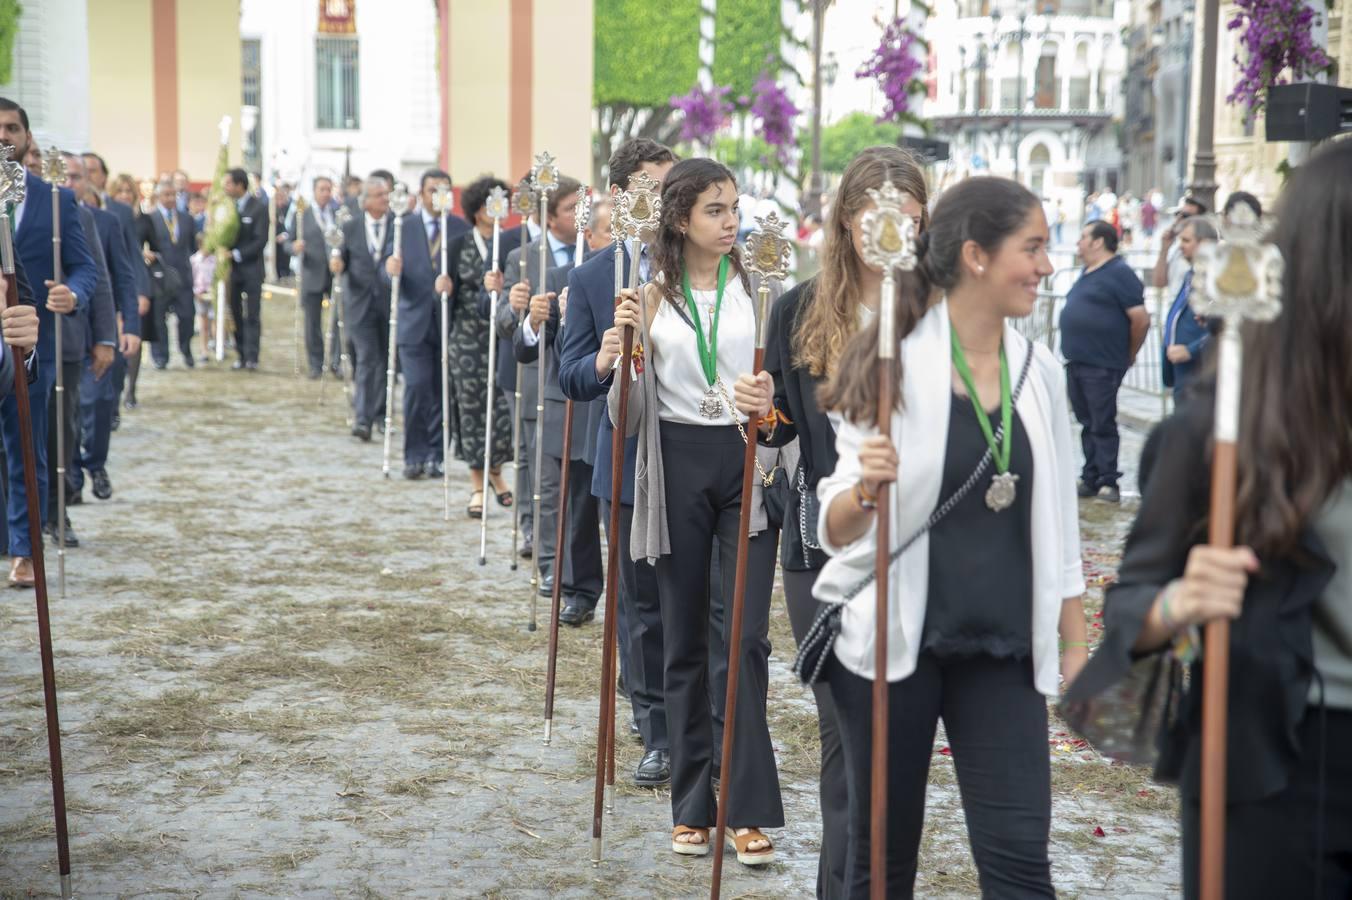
column 10, row 11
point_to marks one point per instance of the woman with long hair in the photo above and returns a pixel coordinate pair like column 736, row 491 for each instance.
column 805, row 339
column 1288, row 588
column 984, row 506
column 696, row 323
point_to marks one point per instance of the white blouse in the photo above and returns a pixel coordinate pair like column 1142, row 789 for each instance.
column 675, row 353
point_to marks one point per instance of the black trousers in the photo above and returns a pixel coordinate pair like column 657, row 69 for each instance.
column 833, row 788
column 1093, row 399
column 996, row 723
column 246, row 307
column 371, row 337
column 421, row 365
column 640, row 636
column 582, row 570
column 312, row 303
column 703, row 469
column 184, row 311
column 70, row 411
column 1272, row 845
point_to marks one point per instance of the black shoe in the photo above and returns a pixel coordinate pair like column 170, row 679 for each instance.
column 103, row 488
column 654, row 770
column 547, row 586
column 75, row 497
column 527, row 549
column 434, row 469
column 161, row 365
column 414, row 471
column 188, row 361
column 117, row 420
column 576, row 613
column 362, row 432
column 251, row 366
column 237, row 365
column 1109, row 494
column 71, row 539
column 1083, row 489
column 633, row 729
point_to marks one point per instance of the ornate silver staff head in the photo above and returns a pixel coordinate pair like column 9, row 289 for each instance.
column 54, row 167
column 523, row 199
column 767, row 255
column 399, row 198
column 889, row 244
column 333, row 235
column 619, row 218
column 301, row 206
column 12, row 189
column 442, row 200
column 642, row 207
column 544, row 177
column 498, row 204
column 584, row 208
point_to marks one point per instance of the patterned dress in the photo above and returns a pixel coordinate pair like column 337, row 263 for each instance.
column 470, row 333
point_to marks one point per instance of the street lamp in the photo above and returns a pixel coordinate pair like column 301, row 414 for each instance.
column 1020, row 101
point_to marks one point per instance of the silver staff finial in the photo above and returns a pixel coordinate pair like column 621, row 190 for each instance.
column 498, row 204
column 399, row 199
column 1238, row 278
column 54, row 166
column 523, row 198
column 544, row 177
column 888, row 233
column 442, row 199
column 767, row 250
column 643, row 207
column 584, row 208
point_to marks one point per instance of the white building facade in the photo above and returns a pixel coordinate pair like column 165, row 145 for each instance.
column 1030, row 92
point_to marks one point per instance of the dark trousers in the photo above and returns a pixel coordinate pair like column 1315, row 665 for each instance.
column 1093, row 399
column 996, row 723
column 371, row 337
column 183, row 310
column 833, row 788
column 1272, row 846
column 524, row 487
column 312, row 304
column 16, row 496
column 70, row 413
column 639, row 623
column 703, row 469
column 583, row 571
column 98, row 403
column 421, row 365
column 246, row 307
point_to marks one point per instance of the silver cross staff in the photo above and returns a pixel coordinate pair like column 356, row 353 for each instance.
column 54, row 171
column 544, row 179
column 523, row 204
column 398, row 205
column 497, row 207
column 1237, row 280
column 442, row 201
column 767, row 255
column 889, row 244
column 583, row 219
column 333, row 239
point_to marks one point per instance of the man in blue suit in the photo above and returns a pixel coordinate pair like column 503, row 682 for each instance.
column 33, row 246
column 419, row 337
column 588, row 349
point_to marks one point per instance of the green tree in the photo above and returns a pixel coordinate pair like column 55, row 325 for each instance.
column 747, row 34
column 10, row 12
column 842, row 141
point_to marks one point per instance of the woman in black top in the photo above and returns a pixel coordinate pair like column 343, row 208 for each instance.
column 1288, row 819
column 808, row 328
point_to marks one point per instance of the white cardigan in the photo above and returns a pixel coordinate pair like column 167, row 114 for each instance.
column 920, row 433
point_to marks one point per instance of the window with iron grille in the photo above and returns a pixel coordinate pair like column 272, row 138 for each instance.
column 337, row 83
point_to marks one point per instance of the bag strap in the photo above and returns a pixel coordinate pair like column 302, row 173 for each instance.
column 946, row 507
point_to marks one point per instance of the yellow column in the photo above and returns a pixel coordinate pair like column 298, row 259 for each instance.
column 121, row 85
column 208, row 83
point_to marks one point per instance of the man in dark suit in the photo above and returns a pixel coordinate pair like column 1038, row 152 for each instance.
column 368, row 244
column 285, row 208
column 98, row 391
column 520, row 280
column 586, row 354
column 246, row 272
column 419, row 335
column 33, row 247
column 172, row 239
column 20, row 326
column 306, row 248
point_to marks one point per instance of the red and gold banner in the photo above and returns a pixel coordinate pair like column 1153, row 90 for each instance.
column 337, row 17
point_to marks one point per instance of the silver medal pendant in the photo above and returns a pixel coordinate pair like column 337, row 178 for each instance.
column 1000, row 495
column 711, row 407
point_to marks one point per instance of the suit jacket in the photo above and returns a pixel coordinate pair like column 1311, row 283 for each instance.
column 368, row 291
column 455, row 226
column 126, row 220
column 314, row 262
column 7, row 369
column 591, row 311
column 1188, row 330
column 283, row 237
column 508, row 326
column 419, row 303
column 33, row 247
column 249, row 242
column 96, row 323
column 156, row 233
column 122, row 267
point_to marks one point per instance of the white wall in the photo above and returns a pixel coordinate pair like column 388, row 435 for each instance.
column 56, row 97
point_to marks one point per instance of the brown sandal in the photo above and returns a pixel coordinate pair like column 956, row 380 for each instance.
column 750, row 857
column 690, row 848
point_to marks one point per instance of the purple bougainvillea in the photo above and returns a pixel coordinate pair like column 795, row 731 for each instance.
column 704, row 112
column 895, row 66
column 1275, row 39
column 774, row 113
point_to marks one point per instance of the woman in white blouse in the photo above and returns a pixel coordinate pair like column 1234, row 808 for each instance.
column 978, row 599
column 696, row 325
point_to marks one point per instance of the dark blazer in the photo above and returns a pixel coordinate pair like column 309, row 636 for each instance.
column 174, row 254
column 249, row 241
column 283, row 237
column 25, row 293
column 33, row 247
column 96, row 323
column 796, row 396
column 509, row 326
column 419, row 303
column 314, row 262
column 126, row 220
column 121, row 269
column 591, row 311
column 1271, row 648
column 1190, row 331
column 368, row 290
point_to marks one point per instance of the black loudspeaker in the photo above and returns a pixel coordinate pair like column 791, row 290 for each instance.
column 929, row 149
column 1308, row 112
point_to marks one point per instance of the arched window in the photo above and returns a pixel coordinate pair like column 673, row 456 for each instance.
column 1009, row 76
column 1046, row 87
column 1039, row 161
column 1079, row 78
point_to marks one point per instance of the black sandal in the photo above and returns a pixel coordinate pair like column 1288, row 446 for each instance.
column 505, row 499
column 475, row 510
